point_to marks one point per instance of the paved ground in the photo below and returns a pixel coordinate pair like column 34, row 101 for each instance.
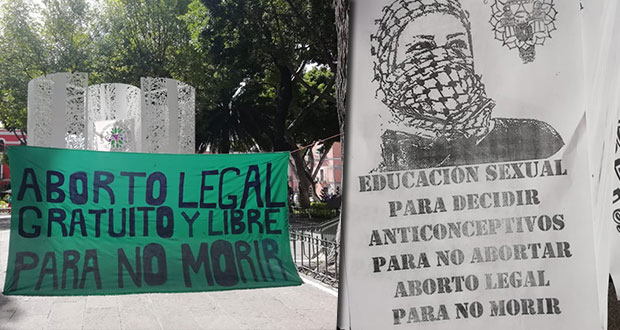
column 309, row 306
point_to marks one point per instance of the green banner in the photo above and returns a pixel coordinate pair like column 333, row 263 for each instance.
column 90, row 223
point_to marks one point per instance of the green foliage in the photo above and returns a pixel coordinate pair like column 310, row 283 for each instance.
column 274, row 61
column 21, row 59
column 37, row 40
column 140, row 38
column 321, row 121
column 317, row 212
column 268, row 46
column 318, row 205
column 66, row 34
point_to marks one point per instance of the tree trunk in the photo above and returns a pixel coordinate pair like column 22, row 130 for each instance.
column 21, row 136
column 342, row 29
column 283, row 98
column 304, row 183
column 225, row 141
column 280, row 143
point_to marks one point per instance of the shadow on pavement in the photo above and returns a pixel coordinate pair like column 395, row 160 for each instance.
column 5, row 223
column 7, row 310
column 3, row 301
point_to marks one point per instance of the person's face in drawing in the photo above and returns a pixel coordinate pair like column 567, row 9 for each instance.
column 432, row 31
column 434, row 66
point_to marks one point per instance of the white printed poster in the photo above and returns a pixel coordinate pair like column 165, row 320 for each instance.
column 467, row 201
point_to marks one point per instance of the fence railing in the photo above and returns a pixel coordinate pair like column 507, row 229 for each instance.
column 315, row 255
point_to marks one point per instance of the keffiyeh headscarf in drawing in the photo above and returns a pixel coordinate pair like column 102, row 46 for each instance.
column 430, row 88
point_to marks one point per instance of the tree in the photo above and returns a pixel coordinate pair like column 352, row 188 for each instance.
column 19, row 35
column 160, row 38
column 270, row 45
column 68, row 34
column 142, row 38
column 38, row 40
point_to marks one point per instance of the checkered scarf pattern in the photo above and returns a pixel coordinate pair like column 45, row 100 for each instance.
column 436, row 92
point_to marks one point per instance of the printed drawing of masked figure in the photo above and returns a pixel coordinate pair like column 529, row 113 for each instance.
column 440, row 114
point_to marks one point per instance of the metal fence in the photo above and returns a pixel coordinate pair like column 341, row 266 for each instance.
column 316, row 255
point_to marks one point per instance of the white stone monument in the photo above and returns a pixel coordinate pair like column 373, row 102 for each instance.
column 57, row 110
column 169, row 115
column 63, row 112
column 114, row 116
